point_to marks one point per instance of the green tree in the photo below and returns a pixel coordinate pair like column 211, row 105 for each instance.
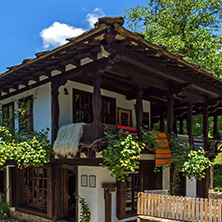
column 189, row 27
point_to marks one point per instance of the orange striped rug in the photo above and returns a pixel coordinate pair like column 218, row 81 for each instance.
column 163, row 154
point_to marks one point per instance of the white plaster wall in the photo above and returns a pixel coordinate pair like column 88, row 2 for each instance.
column 41, row 106
column 66, row 101
column 191, row 188
column 95, row 196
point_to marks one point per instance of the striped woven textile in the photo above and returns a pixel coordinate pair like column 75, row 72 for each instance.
column 131, row 130
column 163, row 154
column 198, row 143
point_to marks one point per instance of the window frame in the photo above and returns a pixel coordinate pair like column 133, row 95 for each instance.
column 30, row 116
column 105, row 99
column 31, row 183
column 12, row 119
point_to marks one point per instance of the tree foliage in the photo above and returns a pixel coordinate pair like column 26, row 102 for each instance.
column 190, row 27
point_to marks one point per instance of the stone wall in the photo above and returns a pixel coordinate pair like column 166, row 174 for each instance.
column 27, row 217
column 214, row 194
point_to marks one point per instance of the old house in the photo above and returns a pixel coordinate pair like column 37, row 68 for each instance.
column 107, row 76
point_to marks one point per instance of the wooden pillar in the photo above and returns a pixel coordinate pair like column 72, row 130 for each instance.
column 50, row 191
column 139, row 112
column 215, row 132
column 65, row 191
column 181, row 126
column 55, row 85
column 170, row 113
column 162, row 124
column 211, row 176
column 58, row 200
column 205, row 126
column 190, row 122
column 96, row 107
column 108, row 188
column 205, row 135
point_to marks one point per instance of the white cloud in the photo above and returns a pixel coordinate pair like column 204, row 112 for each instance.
column 57, row 33
column 93, row 17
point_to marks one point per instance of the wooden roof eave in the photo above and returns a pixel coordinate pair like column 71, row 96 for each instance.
column 83, row 37
column 171, row 55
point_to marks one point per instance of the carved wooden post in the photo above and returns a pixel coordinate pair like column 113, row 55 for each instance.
column 205, row 135
column 181, row 126
column 190, row 122
column 212, row 177
column 108, row 188
column 139, row 112
column 96, row 107
column 55, row 84
column 170, row 113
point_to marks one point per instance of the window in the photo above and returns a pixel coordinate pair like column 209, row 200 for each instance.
column 35, row 188
column 143, row 179
column 82, row 108
column 26, row 113
column 127, row 194
column 133, row 187
column 8, row 115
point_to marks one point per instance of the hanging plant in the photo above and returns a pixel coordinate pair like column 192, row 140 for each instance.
column 122, row 154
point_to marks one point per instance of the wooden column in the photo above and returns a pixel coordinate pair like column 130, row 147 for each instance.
column 170, row 113
column 96, row 107
column 50, row 192
column 205, row 135
column 190, row 122
column 205, row 127
column 215, row 132
column 181, row 127
column 139, row 112
column 58, row 194
column 162, row 124
column 55, row 85
column 65, row 191
column 108, row 188
column 211, row 176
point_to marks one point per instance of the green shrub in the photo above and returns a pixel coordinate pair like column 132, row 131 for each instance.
column 218, row 189
column 4, row 210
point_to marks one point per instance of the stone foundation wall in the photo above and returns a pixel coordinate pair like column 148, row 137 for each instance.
column 27, row 217
column 214, row 194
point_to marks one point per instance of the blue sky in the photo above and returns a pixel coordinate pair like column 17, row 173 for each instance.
column 30, row 26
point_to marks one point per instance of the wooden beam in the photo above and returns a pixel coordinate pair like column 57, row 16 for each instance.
column 167, row 72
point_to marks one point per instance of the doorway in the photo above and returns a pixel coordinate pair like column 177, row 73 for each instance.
column 70, row 194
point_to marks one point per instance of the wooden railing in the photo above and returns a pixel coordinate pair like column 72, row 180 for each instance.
column 179, row 208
